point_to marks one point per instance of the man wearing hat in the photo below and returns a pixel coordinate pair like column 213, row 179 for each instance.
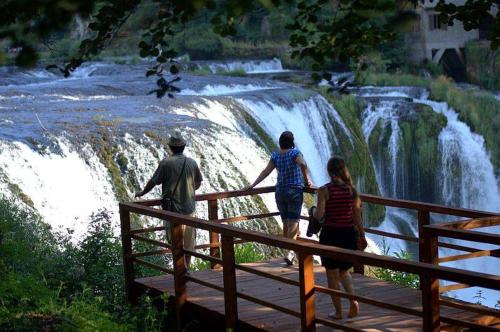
column 179, row 177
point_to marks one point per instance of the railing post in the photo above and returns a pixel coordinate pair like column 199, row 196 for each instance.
column 307, row 295
column 229, row 276
column 213, row 214
column 430, row 285
column 128, row 261
column 423, row 220
column 179, row 263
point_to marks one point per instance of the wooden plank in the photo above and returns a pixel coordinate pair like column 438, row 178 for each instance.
column 413, row 205
column 267, row 275
column 151, row 253
column 204, row 257
column 430, row 286
column 470, row 307
column 392, row 235
column 423, row 220
column 249, row 217
column 153, row 266
column 441, row 272
column 128, row 265
column 151, row 241
column 307, row 295
column 147, row 230
column 452, row 287
column 479, row 253
column 472, row 223
column 457, row 247
column 213, row 215
column 364, row 299
column 179, row 262
column 229, row 274
column 466, row 235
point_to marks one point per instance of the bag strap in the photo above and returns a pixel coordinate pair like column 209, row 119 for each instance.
column 180, row 175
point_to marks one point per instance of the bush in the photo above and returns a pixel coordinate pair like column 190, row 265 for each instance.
column 398, row 277
column 49, row 283
column 483, row 65
column 200, row 42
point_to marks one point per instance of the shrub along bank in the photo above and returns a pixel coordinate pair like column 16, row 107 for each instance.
column 48, row 283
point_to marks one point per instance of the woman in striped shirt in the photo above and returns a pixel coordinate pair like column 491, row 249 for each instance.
column 340, row 205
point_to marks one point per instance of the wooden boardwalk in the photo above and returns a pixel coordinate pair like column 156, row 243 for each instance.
column 208, row 303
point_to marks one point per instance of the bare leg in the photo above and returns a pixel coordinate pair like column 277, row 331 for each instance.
column 332, row 275
column 290, row 230
column 346, row 280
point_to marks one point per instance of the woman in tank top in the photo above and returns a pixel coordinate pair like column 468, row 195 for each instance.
column 340, row 206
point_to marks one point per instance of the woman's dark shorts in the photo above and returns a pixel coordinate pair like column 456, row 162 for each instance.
column 342, row 237
column 289, row 202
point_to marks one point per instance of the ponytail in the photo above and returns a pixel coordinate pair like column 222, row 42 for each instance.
column 336, row 168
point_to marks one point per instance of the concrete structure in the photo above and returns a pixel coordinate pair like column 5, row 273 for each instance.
column 433, row 41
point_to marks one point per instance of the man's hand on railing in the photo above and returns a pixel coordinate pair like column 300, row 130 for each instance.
column 139, row 194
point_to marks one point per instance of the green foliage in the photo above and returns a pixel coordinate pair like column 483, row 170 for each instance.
column 483, row 65
column 419, row 151
column 398, row 277
column 390, row 79
column 200, row 42
column 49, row 283
column 247, row 253
column 236, row 72
column 252, row 50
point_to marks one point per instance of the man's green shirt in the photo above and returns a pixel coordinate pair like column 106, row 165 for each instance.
column 168, row 173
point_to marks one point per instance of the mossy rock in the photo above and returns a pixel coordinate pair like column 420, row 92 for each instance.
column 355, row 152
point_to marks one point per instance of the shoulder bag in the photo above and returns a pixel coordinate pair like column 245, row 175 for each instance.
column 166, row 202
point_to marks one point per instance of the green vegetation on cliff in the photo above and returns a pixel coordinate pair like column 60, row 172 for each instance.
column 420, row 151
column 357, row 155
column 483, row 65
column 477, row 108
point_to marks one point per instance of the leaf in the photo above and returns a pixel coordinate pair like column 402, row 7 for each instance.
column 174, row 70
column 151, row 72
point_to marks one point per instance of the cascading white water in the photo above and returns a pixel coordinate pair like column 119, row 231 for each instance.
column 249, row 67
column 65, row 187
column 310, row 121
column 466, row 176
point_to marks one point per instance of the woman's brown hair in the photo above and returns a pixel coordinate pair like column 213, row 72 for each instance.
column 336, row 168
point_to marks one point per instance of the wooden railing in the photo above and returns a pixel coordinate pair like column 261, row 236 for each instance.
column 224, row 236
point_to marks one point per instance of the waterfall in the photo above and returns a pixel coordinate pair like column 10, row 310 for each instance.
column 249, row 66
column 465, row 176
column 313, row 123
column 63, row 185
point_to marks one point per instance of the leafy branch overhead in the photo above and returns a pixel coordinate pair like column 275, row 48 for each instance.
column 321, row 30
